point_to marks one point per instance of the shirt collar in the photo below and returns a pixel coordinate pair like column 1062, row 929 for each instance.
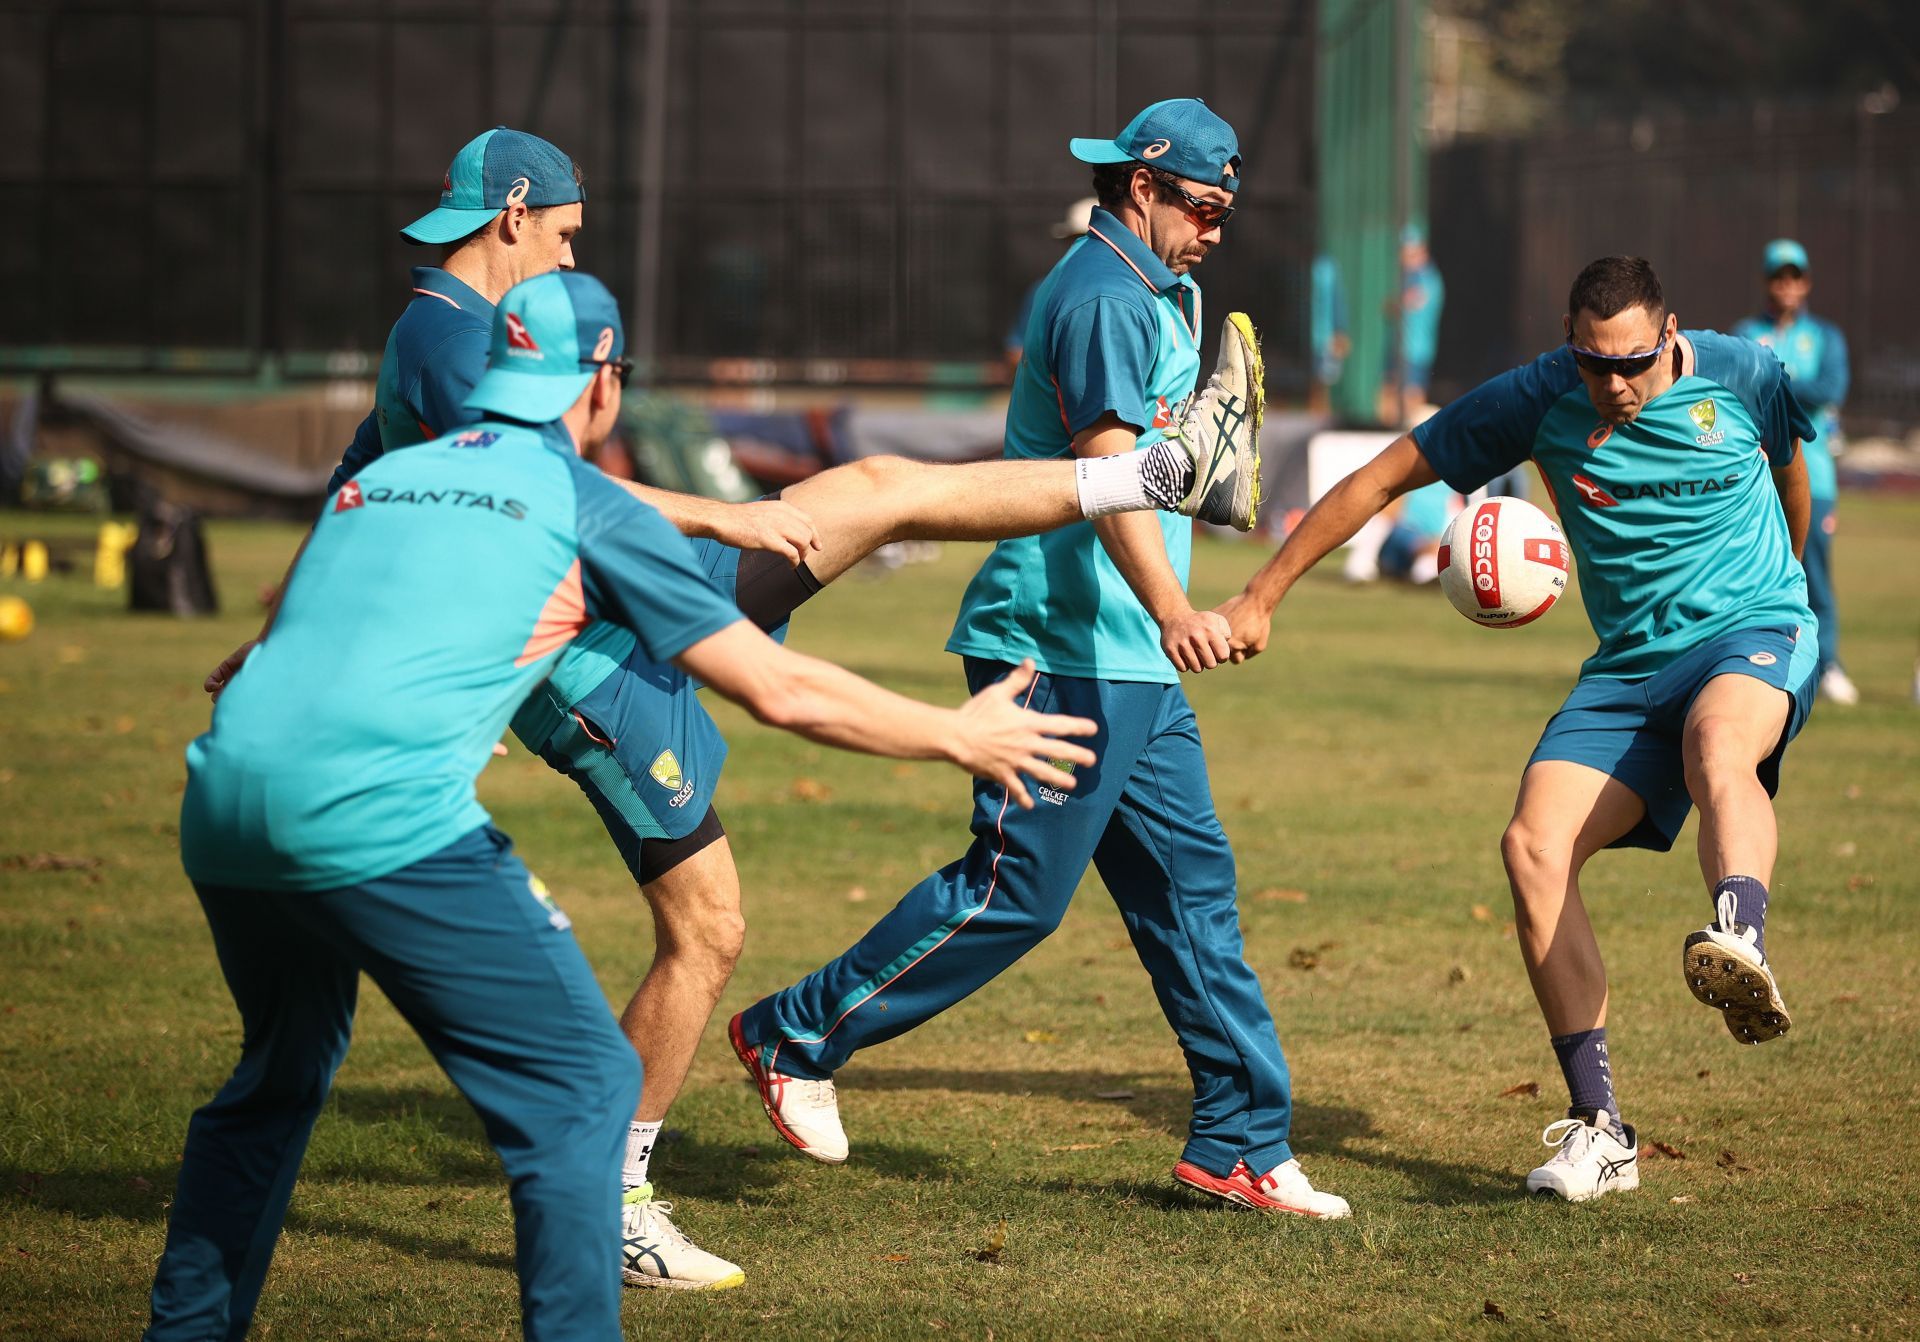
column 1104, row 228
column 439, row 284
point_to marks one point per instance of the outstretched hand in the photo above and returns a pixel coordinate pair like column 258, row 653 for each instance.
column 1195, row 640
column 1249, row 623
column 222, row 675
column 999, row 740
column 768, row 524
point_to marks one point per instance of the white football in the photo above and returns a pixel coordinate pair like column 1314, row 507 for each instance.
column 1503, row 563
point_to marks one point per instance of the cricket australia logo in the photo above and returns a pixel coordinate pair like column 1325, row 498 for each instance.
column 544, row 898
column 1055, row 795
column 1705, row 415
column 665, row 770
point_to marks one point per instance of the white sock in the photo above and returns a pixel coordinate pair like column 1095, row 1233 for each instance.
column 640, row 1140
column 1112, row 484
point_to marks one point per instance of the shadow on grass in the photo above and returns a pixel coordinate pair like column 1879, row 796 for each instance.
column 1318, row 1129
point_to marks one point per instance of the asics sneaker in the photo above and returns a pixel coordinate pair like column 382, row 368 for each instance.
column 1726, row 970
column 805, row 1112
column 1595, row 1158
column 1284, row 1188
column 1221, row 431
column 655, row 1252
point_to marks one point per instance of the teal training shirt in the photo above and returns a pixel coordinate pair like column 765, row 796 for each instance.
column 1673, row 518
column 434, row 594
column 435, row 355
column 1814, row 353
column 1113, row 330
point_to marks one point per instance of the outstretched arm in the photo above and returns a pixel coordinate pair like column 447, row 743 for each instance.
column 1329, row 524
column 989, row 736
column 766, row 524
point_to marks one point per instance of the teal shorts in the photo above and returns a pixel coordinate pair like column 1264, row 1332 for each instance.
column 1631, row 729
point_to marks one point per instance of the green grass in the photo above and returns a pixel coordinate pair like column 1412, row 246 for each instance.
column 1364, row 769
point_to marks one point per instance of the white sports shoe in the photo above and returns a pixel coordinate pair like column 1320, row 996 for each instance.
column 655, row 1252
column 1592, row 1160
column 1836, row 685
column 1725, row 970
column 1221, row 431
column 805, row 1112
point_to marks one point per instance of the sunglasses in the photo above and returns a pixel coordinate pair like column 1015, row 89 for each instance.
column 622, row 368
column 1206, row 213
column 1626, row 365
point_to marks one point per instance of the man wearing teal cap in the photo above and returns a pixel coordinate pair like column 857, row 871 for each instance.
column 1422, row 295
column 1814, row 352
column 1112, row 349
column 632, row 733
column 330, row 825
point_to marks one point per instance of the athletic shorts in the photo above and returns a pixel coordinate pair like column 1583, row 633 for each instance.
column 1631, row 729
column 642, row 746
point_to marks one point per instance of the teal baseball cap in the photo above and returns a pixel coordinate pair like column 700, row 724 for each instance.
column 1182, row 135
column 551, row 334
column 1783, row 252
column 495, row 169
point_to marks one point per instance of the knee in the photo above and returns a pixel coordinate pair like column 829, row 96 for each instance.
column 884, row 475
column 1538, row 861
column 1717, row 747
column 706, row 942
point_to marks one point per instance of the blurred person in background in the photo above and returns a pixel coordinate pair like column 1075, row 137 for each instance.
column 1422, row 294
column 1326, row 331
column 1814, row 353
column 1069, row 229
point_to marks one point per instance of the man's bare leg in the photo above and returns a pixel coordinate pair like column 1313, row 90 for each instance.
column 698, row 932
column 1735, row 722
column 1564, row 815
column 859, row 507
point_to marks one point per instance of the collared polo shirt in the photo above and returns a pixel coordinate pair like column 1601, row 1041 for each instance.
column 1112, row 330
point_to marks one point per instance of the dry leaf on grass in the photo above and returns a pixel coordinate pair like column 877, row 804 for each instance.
column 894, row 1258
column 1042, row 1037
column 1302, row 958
column 1729, row 1161
column 1680, row 1199
column 811, row 789
column 1667, row 1149
column 1458, row 974
column 1482, row 914
column 1526, row 1088
column 1494, row 1312
column 996, row 1244
column 1743, row 1279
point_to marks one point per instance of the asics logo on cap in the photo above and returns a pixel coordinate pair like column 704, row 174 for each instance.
column 604, row 345
column 1157, row 148
column 518, row 191
column 518, row 337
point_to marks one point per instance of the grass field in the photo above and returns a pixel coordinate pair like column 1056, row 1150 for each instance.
column 1364, row 769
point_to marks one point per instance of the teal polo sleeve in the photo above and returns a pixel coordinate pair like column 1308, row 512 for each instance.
column 1101, row 353
column 1491, row 429
column 447, row 377
column 636, row 571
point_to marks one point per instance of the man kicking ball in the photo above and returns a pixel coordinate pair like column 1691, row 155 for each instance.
column 1652, row 443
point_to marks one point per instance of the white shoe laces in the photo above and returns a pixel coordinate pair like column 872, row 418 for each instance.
column 654, row 1218
column 815, row 1094
column 1572, row 1135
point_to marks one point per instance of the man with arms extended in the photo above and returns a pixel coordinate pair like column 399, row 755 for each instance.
column 1111, row 351
column 1673, row 458
column 630, row 730
column 1814, row 353
column 330, row 825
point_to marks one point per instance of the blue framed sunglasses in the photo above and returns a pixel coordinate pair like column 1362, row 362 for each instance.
column 1626, row 365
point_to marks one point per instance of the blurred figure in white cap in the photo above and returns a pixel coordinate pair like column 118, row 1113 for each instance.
column 1069, row 228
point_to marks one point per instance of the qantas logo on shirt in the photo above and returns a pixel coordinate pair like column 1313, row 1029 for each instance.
column 1162, row 417
column 1591, row 494
column 1596, row 496
column 518, row 337
column 352, row 496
